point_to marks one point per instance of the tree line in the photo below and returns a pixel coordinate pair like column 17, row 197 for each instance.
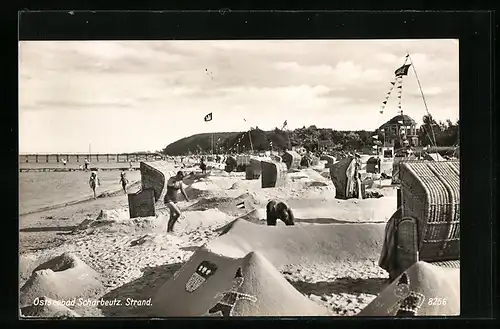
column 311, row 138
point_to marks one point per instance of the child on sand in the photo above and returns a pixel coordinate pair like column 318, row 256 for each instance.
column 123, row 181
column 174, row 184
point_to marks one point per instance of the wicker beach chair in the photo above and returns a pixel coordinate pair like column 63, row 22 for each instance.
column 429, row 228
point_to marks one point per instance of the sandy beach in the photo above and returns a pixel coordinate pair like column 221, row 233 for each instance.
column 134, row 257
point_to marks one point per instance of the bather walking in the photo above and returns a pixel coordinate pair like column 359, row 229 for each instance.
column 124, row 181
column 174, row 184
column 94, row 182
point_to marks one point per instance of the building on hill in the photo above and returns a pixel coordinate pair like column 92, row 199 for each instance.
column 397, row 130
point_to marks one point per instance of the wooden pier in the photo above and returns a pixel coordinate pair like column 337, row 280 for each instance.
column 93, row 158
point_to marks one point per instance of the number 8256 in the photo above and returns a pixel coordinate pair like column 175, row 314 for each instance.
column 438, row 301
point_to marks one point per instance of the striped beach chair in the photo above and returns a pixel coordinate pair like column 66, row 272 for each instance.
column 429, row 227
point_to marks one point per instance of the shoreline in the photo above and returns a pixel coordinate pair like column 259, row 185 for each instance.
column 108, row 193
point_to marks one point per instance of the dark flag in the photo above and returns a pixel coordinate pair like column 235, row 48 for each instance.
column 403, row 70
column 208, row 117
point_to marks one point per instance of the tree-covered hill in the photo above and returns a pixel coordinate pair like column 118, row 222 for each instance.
column 311, row 138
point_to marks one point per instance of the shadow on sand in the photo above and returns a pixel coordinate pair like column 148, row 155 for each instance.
column 48, row 229
column 142, row 288
column 372, row 286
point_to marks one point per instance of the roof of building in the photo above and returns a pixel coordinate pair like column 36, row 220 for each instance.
column 407, row 120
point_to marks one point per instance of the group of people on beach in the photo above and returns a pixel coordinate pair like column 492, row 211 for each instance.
column 274, row 210
column 95, row 182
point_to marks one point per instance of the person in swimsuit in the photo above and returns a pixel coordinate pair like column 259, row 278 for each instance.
column 174, row 184
column 123, row 181
column 94, row 182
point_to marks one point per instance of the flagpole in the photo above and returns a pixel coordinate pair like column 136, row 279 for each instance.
column 423, row 97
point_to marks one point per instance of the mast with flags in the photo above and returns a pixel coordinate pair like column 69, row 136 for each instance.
column 397, row 83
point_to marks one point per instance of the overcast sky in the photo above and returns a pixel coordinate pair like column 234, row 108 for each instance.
column 125, row 96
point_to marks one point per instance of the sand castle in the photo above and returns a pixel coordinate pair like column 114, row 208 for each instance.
column 63, row 278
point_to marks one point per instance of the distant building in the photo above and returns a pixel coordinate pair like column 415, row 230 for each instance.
column 397, row 130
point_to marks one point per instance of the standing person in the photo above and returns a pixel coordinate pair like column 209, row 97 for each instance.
column 87, row 164
column 174, row 184
column 130, row 165
column 64, row 161
column 203, row 166
column 94, row 182
column 124, row 181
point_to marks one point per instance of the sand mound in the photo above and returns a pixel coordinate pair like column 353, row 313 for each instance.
column 194, row 291
column 203, row 188
column 308, row 245
column 105, row 217
column 246, row 185
column 314, row 175
column 209, row 203
column 196, row 220
column 112, row 221
column 425, row 288
column 62, row 278
column 48, row 308
column 233, row 206
column 27, row 263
